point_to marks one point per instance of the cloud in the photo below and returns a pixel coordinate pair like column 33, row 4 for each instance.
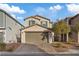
column 19, row 17
column 14, row 16
column 49, row 12
column 73, row 8
column 56, row 7
column 12, row 9
column 40, row 10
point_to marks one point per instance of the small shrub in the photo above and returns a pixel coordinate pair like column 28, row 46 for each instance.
column 2, row 46
column 71, row 41
column 57, row 44
column 60, row 47
column 10, row 49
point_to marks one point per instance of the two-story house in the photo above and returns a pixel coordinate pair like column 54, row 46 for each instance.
column 37, row 27
column 72, row 21
column 9, row 28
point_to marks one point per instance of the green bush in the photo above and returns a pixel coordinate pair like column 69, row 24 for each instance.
column 71, row 40
column 2, row 46
column 70, row 43
column 58, row 44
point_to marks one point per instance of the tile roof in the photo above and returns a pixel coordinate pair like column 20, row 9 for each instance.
column 48, row 29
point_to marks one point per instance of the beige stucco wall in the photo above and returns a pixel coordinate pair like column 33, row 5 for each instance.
column 26, row 22
column 42, row 20
column 50, row 25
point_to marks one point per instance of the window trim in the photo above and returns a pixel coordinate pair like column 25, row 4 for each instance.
column 31, row 22
column 44, row 24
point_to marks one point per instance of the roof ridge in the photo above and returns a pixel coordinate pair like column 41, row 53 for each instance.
column 42, row 17
column 35, row 16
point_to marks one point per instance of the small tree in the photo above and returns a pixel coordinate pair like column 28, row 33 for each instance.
column 61, row 27
column 56, row 29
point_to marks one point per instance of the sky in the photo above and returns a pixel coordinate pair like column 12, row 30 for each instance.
column 52, row 11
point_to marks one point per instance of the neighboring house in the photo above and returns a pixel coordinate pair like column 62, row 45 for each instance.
column 9, row 28
column 72, row 22
column 37, row 30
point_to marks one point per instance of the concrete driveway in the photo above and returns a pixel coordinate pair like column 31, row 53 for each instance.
column 33, row 50
column 26, row 50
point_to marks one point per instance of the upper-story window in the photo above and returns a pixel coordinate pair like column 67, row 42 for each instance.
column 31, row 22
column 44, row 23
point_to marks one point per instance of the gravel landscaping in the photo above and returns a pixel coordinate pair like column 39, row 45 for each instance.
column 65, row 47
column 55, row 48
column 9, row 47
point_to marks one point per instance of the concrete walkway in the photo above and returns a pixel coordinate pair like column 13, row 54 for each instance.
column 46, row 47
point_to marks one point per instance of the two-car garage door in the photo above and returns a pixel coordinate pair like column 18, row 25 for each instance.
column 34, row 37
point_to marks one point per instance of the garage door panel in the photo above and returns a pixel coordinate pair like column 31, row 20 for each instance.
column 34, row 37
